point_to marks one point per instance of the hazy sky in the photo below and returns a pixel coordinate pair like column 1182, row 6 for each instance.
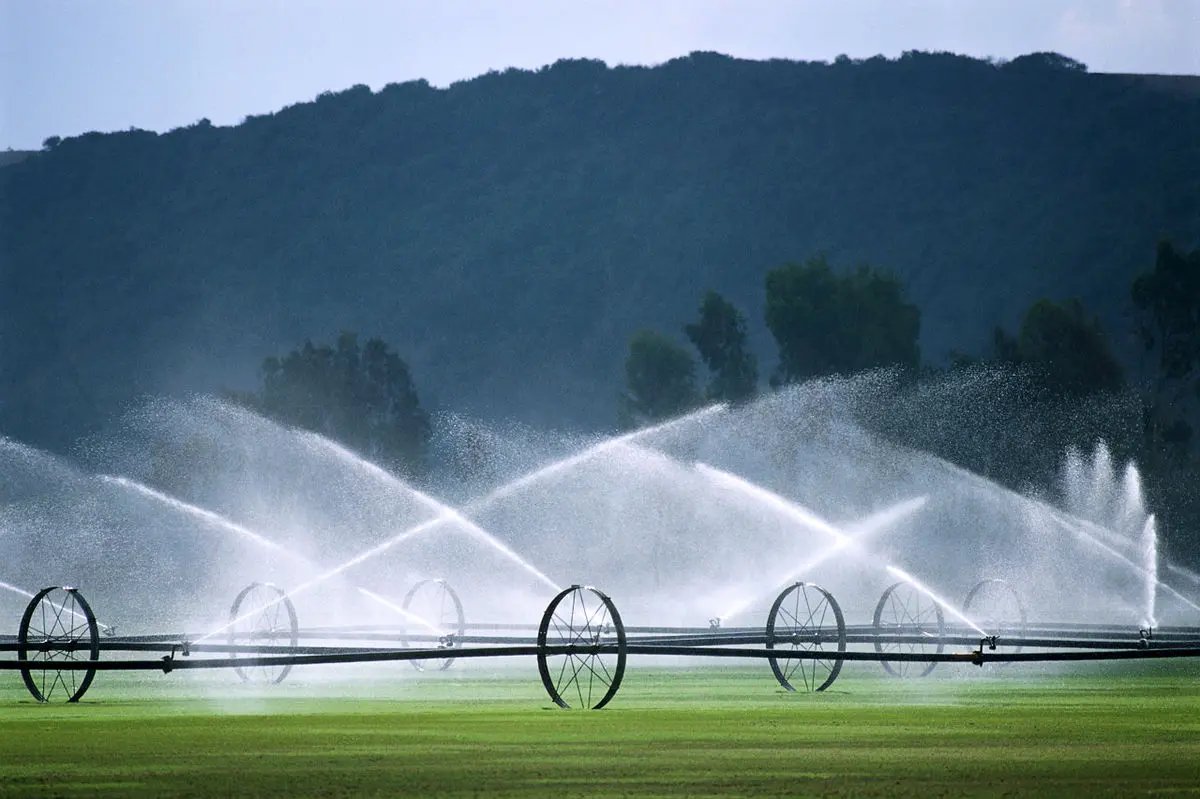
column 69, row 66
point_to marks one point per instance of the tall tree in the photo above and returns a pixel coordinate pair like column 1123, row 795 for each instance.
column 1167, row 300
column 660, row 379
column 1066, row 348
column 827, row 323
column 362, row 396
column 720, row 338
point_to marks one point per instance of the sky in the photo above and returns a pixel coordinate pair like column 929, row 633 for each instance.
column 72, row 66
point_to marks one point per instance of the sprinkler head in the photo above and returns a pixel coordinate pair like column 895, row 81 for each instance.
column 988, row 641
column 714, row 624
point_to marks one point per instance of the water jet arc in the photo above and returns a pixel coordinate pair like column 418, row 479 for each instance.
column 446, row 513
column 803, row 515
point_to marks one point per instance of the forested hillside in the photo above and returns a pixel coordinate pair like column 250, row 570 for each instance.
column 510, row 233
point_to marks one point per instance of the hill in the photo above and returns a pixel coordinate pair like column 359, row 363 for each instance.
column 508, row 234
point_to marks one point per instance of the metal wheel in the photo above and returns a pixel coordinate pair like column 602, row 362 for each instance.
column 436, row 614
column 904, row 612
column 262, row 615
column 584, row 624
column 57, row 626
column 996, row 607
column 806, row 620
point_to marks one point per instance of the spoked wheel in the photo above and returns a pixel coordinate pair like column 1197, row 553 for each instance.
column 584, row 624
column 806, row 620
column 996, row 607
column 908, row 621
column 262, row 615
column 433, row 611
column 58, row 626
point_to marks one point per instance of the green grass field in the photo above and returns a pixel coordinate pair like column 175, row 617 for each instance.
column 1110, row 731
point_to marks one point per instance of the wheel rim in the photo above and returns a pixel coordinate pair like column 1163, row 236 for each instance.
column 903, row 610
column 437, row 612
column 806, row 619
column 997, row 608
column 58, row 626
column 586, row 620
column 262, row 615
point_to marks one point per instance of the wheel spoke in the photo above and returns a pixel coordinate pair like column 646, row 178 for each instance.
column 563, row 670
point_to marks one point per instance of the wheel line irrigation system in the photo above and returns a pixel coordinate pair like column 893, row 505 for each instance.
column 581, row 644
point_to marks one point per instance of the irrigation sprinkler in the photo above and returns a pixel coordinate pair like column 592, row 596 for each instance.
column 998, row 607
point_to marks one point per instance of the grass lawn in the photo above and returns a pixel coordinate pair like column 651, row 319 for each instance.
column 1107, row 731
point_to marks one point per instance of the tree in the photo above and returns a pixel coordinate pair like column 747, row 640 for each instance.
column 1036, row 63
column 1066, row 348
column 826, row 323
column 720, row 337
column 1167, row 300
column 362, row 397
column 660, row 378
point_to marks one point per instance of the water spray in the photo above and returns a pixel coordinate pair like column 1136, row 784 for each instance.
column 1141, row 569
column 903, row 575
column 215, row 519
column 1084, row 530
column 446, row 513
column 862, row 531
column 808, row 518
column 331, row 573
column 104, row 628
column 16, row 590
column 784, row 506
column 591, row 452
column 402, row 611
column 1187, row 574
column 1149, row 542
